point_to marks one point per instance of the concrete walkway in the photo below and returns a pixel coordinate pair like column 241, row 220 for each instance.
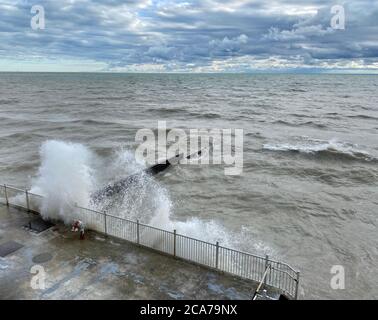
column 101, row 268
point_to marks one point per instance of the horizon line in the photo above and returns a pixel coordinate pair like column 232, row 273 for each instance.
column 333, row 72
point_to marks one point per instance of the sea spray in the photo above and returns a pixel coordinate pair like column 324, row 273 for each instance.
column 65, row 178
column 70, row 172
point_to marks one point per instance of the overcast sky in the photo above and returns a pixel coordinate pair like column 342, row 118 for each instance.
column 189, row 36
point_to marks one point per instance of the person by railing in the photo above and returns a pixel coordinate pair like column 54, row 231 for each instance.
column 78, row 225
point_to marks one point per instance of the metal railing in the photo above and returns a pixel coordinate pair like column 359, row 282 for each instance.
column 278, row 275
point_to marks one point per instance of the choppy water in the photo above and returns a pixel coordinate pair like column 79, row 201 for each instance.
column 308, row 192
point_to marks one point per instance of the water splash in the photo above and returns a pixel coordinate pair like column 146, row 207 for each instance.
column 70, row 172
column 65, row 178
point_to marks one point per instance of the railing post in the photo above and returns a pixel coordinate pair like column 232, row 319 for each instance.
column 174, row 242
column 105, row 226
column 138, row 239
column 266, row 266
column 216, row 255
column 297, row 286
column 6, row 195
column 27, row 200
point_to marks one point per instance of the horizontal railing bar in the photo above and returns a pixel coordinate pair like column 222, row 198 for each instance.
column 119, row 218
column 259, row 257
column 155, row 228
column 108, row 215
column 283, row 271
column 35, row 195
column 92, row 210
column 284, row 264
column 194, row 239
column 15, row 188
column 246, row 253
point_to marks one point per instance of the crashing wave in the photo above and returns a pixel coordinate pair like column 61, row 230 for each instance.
column 70, row 172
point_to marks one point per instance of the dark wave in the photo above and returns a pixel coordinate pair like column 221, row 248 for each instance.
column 362, row 116
column 254, row 135
column 93, row 122
column 297, row 90
column 23, row 136
column 209, row 115
column 345, row 156
column 8, row 101
column 166, row 110
column 298, row 115
column 182, row 112
column 301, row 124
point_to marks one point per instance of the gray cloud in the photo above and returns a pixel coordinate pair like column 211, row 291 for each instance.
column 207, row 35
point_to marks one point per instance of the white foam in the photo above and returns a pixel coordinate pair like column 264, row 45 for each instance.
column 309, row 146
